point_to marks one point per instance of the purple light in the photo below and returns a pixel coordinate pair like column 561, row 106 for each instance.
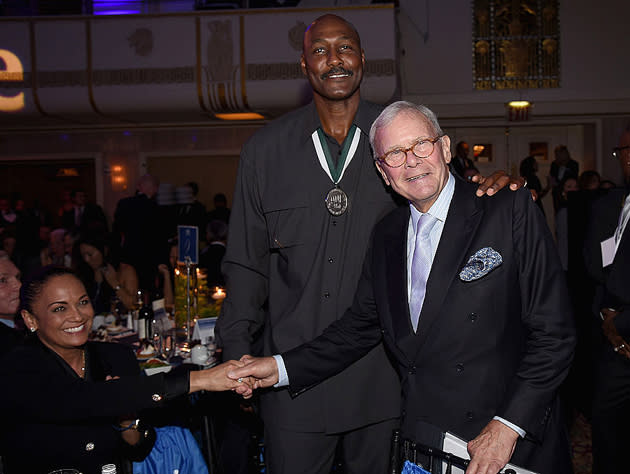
column 118, row 12
column 120, row 7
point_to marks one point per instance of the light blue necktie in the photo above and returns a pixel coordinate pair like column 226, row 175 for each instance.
column 420, row 267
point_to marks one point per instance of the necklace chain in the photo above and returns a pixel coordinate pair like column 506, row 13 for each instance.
column 83, row 363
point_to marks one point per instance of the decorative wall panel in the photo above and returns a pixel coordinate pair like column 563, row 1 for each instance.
column 516, row 44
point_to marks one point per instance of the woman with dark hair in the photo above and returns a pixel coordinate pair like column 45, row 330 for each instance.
column 106, row 278
column 70, row 403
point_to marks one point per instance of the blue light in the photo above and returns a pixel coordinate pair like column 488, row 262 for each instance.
column 120, row 7
column 118, row 12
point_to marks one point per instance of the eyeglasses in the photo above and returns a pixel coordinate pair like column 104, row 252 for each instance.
column 397, row 157
column 618, row 149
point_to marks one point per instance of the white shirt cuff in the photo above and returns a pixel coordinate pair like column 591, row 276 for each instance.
column 283, row 377
column 519, row 430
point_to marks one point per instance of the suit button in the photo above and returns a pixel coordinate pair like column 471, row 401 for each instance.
column 89, row 447
column 331, row 260
column 469, row 415
column 412, row 370
column 473, row 317
column 459, row 367
column 334, row 222
column 326, row 294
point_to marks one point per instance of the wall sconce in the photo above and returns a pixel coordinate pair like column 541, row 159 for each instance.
column 518, row 110
column 119, row 178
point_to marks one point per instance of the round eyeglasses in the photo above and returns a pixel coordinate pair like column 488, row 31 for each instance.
column 421, row 148
column 618, row 149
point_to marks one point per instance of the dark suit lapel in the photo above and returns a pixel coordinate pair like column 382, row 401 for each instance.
column 462, row 220
column 396, row 273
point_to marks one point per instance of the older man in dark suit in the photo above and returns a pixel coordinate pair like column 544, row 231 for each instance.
column 469, row 298
column 607, row 259
column 9, row 302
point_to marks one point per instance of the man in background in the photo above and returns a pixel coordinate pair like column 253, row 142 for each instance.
column 84, row 216
column 141, row 231
column 461, row 165
column 607, row 253
column 9, row 302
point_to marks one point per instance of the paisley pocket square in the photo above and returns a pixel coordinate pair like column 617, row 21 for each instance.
column 480, row 264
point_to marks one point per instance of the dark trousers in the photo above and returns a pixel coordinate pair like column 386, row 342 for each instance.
column 611, row 413
column 364, row 450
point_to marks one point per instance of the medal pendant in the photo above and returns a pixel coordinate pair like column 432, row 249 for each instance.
column 336, row 201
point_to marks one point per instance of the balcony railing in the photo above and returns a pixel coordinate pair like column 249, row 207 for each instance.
column 131, row 7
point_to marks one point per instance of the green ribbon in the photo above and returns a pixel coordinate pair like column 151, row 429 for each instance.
column 335, row 171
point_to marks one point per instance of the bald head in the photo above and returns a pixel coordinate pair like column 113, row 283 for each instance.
column 148, row 185
column 325, row 19
column 332, row 59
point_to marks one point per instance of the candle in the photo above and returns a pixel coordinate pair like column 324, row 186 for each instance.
column 218, row 294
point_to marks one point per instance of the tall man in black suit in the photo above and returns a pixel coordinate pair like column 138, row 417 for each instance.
column 472, row 308
column 607, row 257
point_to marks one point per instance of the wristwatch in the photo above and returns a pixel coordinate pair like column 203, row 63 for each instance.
column 133, row 426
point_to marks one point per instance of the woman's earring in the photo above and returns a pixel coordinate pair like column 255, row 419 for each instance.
column 33, row 329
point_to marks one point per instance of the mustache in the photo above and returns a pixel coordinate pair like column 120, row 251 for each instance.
column 337, row 70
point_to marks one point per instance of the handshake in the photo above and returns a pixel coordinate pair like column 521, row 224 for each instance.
column 242, row 376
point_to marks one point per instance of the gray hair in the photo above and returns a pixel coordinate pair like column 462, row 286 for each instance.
column 392, row 111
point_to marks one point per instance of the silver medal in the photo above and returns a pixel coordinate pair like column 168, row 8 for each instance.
column 336, row 201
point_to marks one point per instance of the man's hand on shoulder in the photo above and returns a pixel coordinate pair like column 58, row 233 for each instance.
column 492, row 449
column 496, row 181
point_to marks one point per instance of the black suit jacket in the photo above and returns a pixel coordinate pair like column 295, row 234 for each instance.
column 55, row 414
column 613, row 281
column 572, row 170
column 92, row 220
column 499, row 345
column 140, row 225
column 9, row 338
column 458, row 168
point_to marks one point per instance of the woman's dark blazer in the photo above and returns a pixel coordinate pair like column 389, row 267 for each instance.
column 53, row 418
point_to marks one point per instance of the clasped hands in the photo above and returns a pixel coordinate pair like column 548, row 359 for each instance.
column 249, row 373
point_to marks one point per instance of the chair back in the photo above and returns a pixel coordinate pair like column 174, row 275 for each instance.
column 427, row 457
